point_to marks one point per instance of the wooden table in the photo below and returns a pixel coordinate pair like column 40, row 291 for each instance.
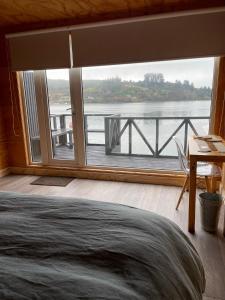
column 194, row 156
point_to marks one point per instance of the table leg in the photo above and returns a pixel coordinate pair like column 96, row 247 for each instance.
column 192, row 196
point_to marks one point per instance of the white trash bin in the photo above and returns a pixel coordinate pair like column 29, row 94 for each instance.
column 210, row 210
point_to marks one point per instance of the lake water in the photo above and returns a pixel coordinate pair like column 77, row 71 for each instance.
column 151, row 109
column 166, row 108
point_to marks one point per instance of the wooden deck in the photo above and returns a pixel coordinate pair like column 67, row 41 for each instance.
column 96, row 156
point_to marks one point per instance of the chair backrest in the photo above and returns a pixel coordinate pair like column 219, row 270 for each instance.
column 181, row 156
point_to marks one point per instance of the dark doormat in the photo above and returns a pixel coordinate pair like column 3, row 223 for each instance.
column 52, row 181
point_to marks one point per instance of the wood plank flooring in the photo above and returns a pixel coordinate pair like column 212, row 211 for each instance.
column 156, row 198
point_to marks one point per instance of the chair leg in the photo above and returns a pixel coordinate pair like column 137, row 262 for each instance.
column 208, row 184
column 182, row 192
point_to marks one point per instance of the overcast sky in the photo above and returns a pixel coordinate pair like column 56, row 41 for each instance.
column 198, row 71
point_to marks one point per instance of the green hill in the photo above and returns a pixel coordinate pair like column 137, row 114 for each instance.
column 152, row 88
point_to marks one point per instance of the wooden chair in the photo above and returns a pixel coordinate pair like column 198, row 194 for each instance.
column 206, row 170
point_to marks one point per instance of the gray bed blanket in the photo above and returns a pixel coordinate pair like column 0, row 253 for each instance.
column 63, row 248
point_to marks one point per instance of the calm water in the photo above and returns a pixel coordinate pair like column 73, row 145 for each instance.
column 167, row 108
column 153, row 109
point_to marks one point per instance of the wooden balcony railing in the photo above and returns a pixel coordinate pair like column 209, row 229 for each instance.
column 114, row 127
column 64, row 121
column 114, row 133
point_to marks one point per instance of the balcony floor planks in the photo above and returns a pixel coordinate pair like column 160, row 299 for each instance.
column 96, row 156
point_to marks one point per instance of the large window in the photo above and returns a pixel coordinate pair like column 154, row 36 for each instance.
column 130, row 112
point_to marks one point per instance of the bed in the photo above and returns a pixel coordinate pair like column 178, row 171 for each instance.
column 65, row 248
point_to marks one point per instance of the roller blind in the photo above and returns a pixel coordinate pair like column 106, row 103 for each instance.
column 174, row 37
column 39, row 51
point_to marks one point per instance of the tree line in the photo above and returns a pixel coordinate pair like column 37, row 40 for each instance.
column 152, row 88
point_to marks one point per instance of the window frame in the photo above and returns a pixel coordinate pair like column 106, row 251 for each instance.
column 76, row 93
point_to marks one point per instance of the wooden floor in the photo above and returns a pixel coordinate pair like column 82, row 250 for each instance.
column 159, row 199
column 96, row 156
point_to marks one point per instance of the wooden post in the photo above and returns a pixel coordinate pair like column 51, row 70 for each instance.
column 70, row 134
column 107, row 136
column 54, row 122
column 86, row 129
column 62, row 138
column 130, row 136
column 53, row 146
column 185, row 135
column 118, row 133
column 156, row 138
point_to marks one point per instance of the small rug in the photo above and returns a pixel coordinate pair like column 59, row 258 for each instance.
column 52, row 181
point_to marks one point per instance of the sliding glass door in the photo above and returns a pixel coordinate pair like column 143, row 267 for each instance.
column 59, row 110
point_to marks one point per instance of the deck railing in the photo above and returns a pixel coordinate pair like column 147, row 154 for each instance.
column 64, row 121
column 90, row 130
column 113, row 128
column 114, row 133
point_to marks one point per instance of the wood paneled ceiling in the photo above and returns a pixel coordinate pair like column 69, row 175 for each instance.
column 17, row 15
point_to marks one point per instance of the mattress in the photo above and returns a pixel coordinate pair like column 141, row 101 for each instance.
column 65, row 248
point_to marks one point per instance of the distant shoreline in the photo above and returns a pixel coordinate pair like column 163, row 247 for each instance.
column 147, row 101
column 87, row 101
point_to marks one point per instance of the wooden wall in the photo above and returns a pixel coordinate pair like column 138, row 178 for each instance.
column 12, row 150
column 3, row 133
column 218, row 108
column 218, row 104
column 25, row 15
column 3, row 145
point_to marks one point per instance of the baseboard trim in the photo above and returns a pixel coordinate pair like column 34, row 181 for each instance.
column 4, row 172
column 111, row 175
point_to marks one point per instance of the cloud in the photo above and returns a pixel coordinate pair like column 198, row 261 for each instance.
column 199, row 71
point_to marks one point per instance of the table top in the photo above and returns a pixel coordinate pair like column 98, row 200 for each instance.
column 195, row 153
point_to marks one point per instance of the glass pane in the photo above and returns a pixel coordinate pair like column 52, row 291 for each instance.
column 32, row 117
column 133, row 110
column 60, row 116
